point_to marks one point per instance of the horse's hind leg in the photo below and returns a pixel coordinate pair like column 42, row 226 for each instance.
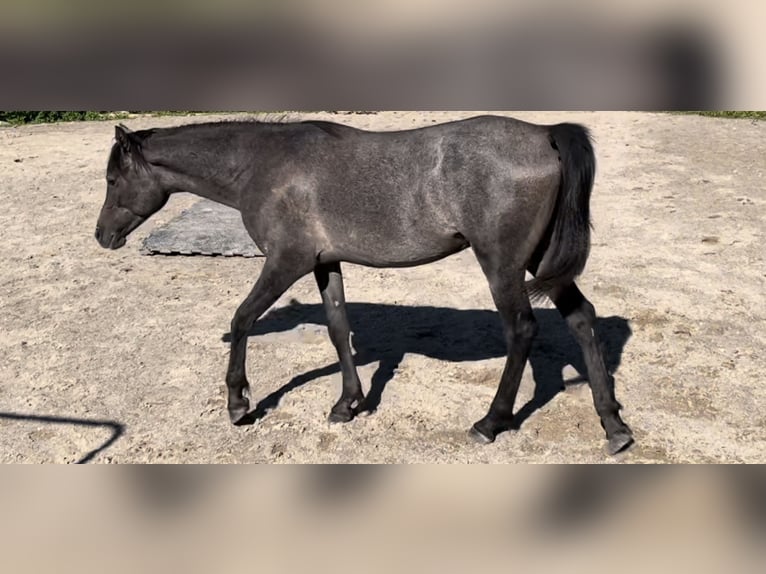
column 278, row 274
column 330, row 282
column 580, row 315
column 520, row 328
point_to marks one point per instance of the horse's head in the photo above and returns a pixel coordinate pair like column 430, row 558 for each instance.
column 133, row 192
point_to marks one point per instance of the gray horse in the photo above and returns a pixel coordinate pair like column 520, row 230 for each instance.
column 315, row 194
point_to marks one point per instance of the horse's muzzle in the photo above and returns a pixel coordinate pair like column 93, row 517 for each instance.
column 109, row 240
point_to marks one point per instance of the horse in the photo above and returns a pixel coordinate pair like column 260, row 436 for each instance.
column 316, row 194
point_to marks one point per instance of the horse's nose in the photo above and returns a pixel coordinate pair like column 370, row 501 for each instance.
column 98, row 234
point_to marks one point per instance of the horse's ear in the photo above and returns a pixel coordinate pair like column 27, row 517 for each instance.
column 125, row 137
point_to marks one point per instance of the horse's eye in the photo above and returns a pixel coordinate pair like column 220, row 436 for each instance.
column 111, row 181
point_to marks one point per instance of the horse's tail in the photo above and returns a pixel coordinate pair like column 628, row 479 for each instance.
column 561, row 256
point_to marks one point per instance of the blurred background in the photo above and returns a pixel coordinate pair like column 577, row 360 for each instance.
column 298, row 54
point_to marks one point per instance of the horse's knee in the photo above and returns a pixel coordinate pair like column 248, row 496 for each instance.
column 523, row 329
column 240, row 325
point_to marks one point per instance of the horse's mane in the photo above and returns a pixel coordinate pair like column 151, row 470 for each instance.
column 266, row 121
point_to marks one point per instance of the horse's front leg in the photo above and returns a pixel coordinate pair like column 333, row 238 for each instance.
column 278, row 274
column 330, row 282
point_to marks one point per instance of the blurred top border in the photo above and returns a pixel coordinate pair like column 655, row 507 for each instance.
column 401, row 55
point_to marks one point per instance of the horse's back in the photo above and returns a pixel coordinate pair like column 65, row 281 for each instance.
column 405, row 197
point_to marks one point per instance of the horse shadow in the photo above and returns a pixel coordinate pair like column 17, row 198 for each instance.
column 386, row 333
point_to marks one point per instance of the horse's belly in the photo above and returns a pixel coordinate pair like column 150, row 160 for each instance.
column 396, row 251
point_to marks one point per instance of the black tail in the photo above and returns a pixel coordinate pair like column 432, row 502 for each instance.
column 562, row 254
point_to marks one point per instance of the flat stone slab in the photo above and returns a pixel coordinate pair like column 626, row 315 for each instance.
column 206, row 228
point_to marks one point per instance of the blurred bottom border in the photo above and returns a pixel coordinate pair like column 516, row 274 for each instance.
column 450, row 518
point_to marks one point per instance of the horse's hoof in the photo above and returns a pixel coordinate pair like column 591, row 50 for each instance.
column 620, row 442
column 337, row 417
column 479, row 436
column 239, row 415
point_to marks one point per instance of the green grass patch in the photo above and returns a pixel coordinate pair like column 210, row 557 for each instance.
column 45, row 117
column 751, row 115
column 48, row 117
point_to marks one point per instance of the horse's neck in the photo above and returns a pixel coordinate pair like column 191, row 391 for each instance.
column 187, row 174
column 211, row 190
